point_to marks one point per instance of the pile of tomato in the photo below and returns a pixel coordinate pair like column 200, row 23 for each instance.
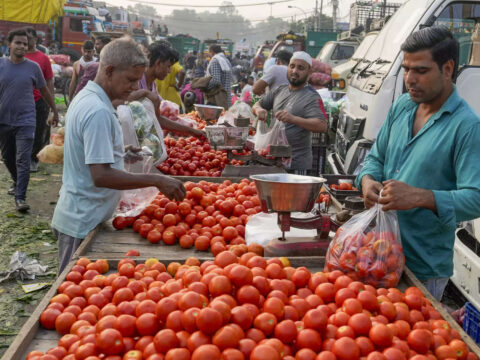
column 192, row 157
column 235, row 307
column 212, row 216
column 343, row 186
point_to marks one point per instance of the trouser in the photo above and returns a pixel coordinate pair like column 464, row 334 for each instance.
column 67, row 245
column 42, row 130
column 436, row 286
column 16, row 144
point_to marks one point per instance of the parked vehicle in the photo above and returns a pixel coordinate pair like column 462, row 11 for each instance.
column 342, row 73
column 262, row 54
column 226, row 45
column 184, row 43
column 335, row 53
column 288, row 41
column 317, row 39
column 378, row 80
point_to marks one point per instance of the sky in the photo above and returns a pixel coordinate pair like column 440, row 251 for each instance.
column 259, row 12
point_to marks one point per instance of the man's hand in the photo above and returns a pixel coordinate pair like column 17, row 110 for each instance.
column 53, row 121
column 262, row 114
column 284, row 116
column 397, row 195
column 371, row 191
column 171, row 188
column 131, row 155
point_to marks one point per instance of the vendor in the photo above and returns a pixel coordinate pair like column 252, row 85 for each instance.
column 94, row 151
column 160, row 59
column 169, row 87
column 425, row 159
column 275, row 76
column 298, row 106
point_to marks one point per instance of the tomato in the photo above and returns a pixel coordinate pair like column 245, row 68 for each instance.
column 85, row 350
column 226, row 337
column 48, row 317
column 209, row 320
column 286, row 331
column 241, row 316
column 381, row 335
column 346, row 348
column 420, row 340
column 309, row 338
column 360, row 323
column 206, row 352
column 64, row 322
column 262, row 352
column 132, row 253
column 110, row 342
column 119, row 222
column 132, row 355
column 275, row 306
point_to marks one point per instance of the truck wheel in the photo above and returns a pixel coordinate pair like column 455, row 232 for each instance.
column 74, row 55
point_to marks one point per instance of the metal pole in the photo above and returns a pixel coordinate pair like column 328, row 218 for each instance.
column 384, row 10
column 321, row 14
column 315, row 27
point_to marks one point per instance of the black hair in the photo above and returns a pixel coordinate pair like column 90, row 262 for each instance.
column 88, row 45
column 243, row 79
column 215, row 48
column 104, row 39
column 159, row 51
column 16, row 32
column 439, row 40
column 284, row 56
column 31, row 30
column 174, row 55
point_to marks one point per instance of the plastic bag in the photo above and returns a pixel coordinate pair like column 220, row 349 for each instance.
column 134, row 201
column 241, row 109
column 368, row 248
column 228, row 118
column 275, row 136
column 53, row 153
column 169, row 109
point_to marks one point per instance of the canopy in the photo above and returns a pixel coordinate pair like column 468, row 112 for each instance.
column 32, row 11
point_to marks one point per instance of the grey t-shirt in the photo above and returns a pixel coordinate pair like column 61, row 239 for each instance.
column 275, row 76
column 304, row 103
column 17, row 81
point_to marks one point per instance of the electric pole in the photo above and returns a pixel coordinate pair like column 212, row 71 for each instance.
column 334, row 14
column 320, row 17
column 315, row 25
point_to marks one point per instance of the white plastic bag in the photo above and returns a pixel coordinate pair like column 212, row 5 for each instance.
column 228, row 117
column 275, row 136
column 241, row 109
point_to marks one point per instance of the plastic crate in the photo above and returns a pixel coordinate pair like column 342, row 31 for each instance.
column 319, row 158
column 471, row 322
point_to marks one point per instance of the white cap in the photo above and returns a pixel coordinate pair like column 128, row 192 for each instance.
column 302, row 55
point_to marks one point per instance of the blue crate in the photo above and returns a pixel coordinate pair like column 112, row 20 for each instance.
column 471, row 322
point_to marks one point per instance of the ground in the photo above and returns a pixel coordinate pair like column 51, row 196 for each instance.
column 31, row 234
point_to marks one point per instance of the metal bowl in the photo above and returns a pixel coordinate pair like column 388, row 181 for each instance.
column 287, row 192
column 208, row 112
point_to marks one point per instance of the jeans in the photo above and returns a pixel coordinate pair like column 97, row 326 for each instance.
column 42, row 130
column 436, row 286
column 16, row 144
column 67, row 245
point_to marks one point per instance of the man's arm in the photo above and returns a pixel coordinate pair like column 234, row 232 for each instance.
column 103, row 175
column 181, row 79
column 174, row 126
column 259, row 87
column 48, row 97
column 73, row 82
column 310, row 124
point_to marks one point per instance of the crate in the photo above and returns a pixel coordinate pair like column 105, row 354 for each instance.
column 319, row 138
column 340, row 195
column 471, row 322
column 319, row 155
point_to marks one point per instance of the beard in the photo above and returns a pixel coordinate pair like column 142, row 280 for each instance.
column 297, row 81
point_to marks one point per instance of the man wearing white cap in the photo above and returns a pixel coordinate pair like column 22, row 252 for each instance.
column 298, row 105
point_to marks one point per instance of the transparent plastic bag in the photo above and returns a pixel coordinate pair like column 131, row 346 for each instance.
column 275, row 136
column 134, row 201
column 241, row 109
column 51, row 154
column 368, row 248
column 169, row 109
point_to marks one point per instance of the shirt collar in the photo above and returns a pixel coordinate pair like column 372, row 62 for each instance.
column 448, row 106
column 97, row 89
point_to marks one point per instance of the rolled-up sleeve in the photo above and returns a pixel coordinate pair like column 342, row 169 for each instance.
column 462, row 204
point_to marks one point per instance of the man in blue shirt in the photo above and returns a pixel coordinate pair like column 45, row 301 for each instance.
column 93, row 169
column 425, row 158
column 18, row 77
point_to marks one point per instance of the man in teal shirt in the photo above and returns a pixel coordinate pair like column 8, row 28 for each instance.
column 425, row 158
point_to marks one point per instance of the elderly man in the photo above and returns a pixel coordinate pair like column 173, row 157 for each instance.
column 220, row 70
column 94, row 150
column 298, row 105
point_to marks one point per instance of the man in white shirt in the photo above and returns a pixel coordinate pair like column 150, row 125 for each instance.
column 275, row 75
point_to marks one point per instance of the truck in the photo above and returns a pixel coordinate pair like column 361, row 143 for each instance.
column 288, row 41
column 184, row 43
column 317, row 39
column 378, row 81
column 225, row 44
column 342, row 73
column 262, row 54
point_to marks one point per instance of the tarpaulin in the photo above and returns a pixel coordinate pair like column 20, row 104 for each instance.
column 31, row 11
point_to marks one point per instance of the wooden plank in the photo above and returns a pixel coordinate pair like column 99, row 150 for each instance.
column 196, row 179
column 413, row 281
column 30, row 328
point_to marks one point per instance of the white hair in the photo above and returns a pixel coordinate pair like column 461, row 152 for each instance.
column 123, row 53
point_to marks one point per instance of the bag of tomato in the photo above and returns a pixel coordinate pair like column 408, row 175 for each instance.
column 368, row 248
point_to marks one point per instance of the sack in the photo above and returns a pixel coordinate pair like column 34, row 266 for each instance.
column 275, row 135
column 53, row 153
column 368, row 248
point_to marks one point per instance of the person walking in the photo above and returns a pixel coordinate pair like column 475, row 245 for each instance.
column 220, row 70
column 18, row 77
column 88, row 50
column 42, row 129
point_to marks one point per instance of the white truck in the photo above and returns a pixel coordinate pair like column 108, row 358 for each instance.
column 378, row 81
